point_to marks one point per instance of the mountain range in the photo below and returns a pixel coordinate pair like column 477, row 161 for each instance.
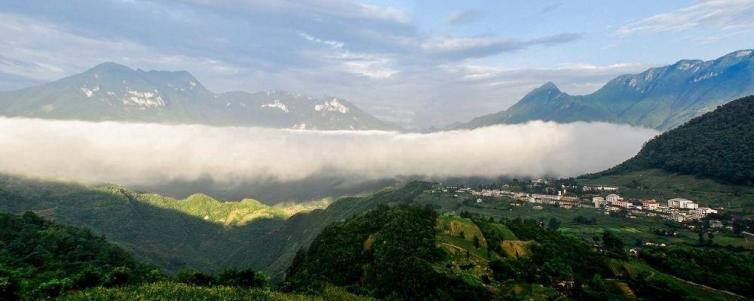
column 113, row 92
column 661, row 98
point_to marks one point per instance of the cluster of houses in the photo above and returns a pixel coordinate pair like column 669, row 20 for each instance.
column 560, row 200
column 677, row 209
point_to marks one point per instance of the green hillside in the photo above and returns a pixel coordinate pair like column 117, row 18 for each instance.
column 227, row 213
column 173, row 234
column 39, row 259
column 409, row 253
column 717, row 145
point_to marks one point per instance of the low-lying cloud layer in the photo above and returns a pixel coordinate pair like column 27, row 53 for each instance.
column 149, row 154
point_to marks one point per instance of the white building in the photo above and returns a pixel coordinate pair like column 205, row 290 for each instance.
column 681, row 203
column 599, row 201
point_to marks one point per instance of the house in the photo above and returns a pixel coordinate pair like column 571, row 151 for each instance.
column 617, row 201
column 650, row 205
column 681, row 203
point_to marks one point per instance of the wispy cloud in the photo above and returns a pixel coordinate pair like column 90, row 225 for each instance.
column 718, row 14
column 475, row 47
column 463, row 17
column 551, row 7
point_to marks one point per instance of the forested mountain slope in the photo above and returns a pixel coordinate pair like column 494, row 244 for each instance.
column 166, row 233
column 717, row 145
column 40, row 259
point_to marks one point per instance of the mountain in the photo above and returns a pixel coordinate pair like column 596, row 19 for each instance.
column 717, row 145
column 113, row 92
column 40, row 260
column 660, row 98
column 197, row 232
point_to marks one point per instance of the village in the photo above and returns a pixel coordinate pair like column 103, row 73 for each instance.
column 605, row 198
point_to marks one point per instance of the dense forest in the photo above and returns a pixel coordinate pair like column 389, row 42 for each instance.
column 39, row 259
column 718, row 145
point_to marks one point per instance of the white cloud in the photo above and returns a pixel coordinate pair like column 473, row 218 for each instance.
column 718, row 14
column 140, row 154
column 333, row 44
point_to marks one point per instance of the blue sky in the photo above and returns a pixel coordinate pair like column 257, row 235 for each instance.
column 415, row 62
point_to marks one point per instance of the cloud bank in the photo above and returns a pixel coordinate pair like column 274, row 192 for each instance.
column 146, row 154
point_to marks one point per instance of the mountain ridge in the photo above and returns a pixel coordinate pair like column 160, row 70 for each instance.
column 661, row 97
column 115, row 92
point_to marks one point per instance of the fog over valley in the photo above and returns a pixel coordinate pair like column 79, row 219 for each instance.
column 274, row 164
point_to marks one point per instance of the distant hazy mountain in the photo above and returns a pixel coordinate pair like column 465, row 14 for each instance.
column 115, row 92
column 661, row 98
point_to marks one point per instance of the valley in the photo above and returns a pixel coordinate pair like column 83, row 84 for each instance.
column 367, row 150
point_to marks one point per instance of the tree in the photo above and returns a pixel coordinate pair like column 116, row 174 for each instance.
column 553, row 224
column 193, row 277
column 244, row 278
column 611, row 241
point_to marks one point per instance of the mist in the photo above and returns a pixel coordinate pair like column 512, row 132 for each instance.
column 273, row 164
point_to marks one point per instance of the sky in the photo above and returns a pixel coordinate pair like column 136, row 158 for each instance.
column 418, row 63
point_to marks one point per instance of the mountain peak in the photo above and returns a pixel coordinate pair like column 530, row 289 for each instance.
column 110, row 67
column 740, row 53
column 548, row 88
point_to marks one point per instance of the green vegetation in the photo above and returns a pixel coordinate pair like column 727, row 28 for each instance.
column 146, row 226
column 39, row 259
column 713, row 267
column 185, row 292
column 180, row 291
column 398, row 253
column 718, row 145
column 226, row 213
column 398, row 265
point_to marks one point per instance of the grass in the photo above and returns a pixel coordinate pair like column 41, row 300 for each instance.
column 516, row 248
column 504, row 232
column 227, row 213
column 528, row 291
column 461, row 227
column 633, row 269
column 168, row 291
